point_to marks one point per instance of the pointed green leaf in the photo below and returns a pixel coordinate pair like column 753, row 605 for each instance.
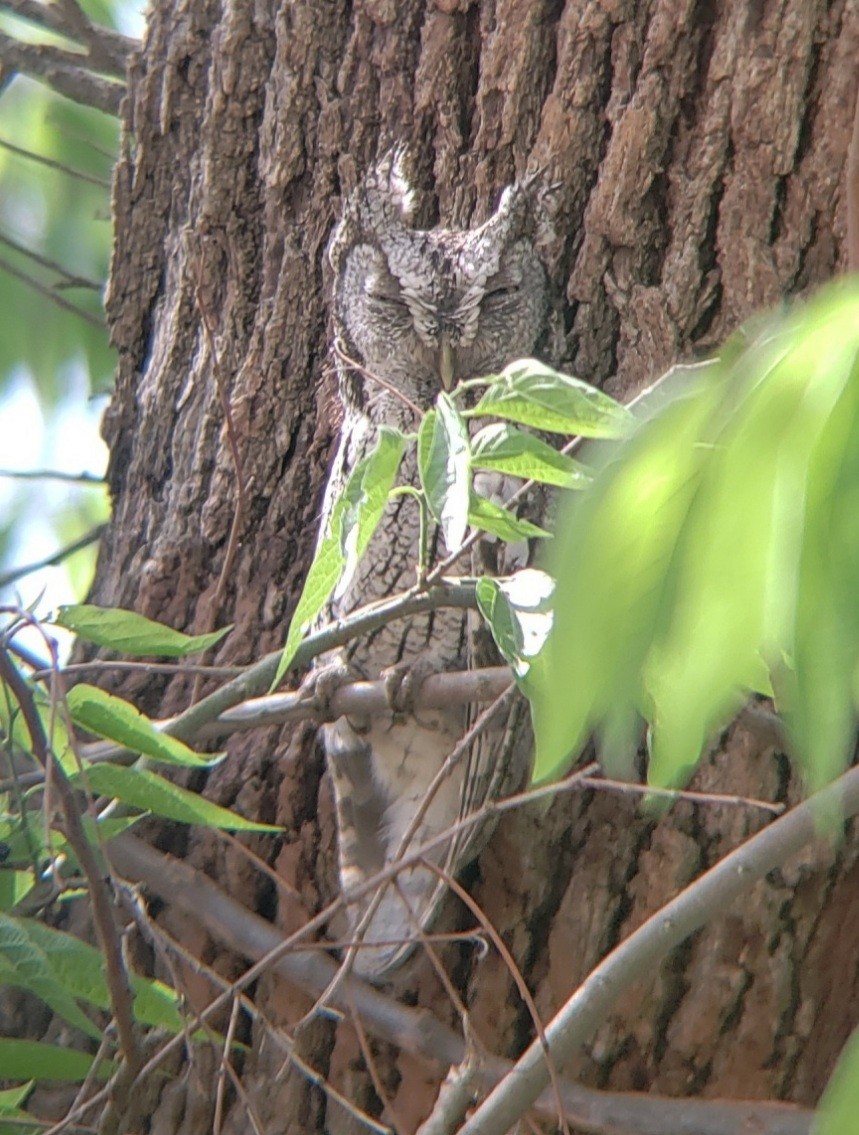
column 12, row 1098
column 152, row 793
column 506, row 449
column 518, row 611
column 501, row 522
column 533, row 394
column 444, row 466
column 354, row 518
column 80, row 968
column 25, row 965
column 130, row 633
column 117, row 720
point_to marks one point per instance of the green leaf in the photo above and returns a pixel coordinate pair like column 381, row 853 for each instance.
column 117, row 720
column 444, row 466
column 499, row 521
column 717, row 542
column 143, row 789
column 25, row 965
column 354, row 519
column 839, row 1105
column 506, row 449
column 80, row 968
column 32, row 1060
column 130, row 633
column 518, row 611
column 533, row 394
column 12, row 1098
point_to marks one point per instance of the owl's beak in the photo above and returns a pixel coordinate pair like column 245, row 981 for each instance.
column 445, row 361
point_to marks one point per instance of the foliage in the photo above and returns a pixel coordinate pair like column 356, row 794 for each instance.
column 710, row 555
column 716, row 555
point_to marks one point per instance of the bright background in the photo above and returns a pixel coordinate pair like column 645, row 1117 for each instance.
column 56, row 367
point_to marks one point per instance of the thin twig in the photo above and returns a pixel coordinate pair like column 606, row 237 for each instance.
column 418, row 1032
column 50, row 294
column 51, row 163
column 70, row 280
column 53, row 475
column 102, row 907
column 65, row 71
column 51, row 16
column 84, row 541
column 379, row 381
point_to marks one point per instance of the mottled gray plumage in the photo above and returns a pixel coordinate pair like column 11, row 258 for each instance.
column 419, row 310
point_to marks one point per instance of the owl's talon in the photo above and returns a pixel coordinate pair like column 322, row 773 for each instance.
column 320, row 686
column 403, row 682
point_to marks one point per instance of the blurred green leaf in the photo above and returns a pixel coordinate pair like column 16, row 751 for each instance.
column 80, row 968
column 839, row 1105
column 23, row 963
column 32, row 1060
column 718, row 539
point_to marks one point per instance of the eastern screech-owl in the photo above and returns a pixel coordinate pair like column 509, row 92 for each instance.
column 417, row 310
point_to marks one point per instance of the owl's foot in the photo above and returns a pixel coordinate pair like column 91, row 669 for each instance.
column 321, row 685
column 404, row 680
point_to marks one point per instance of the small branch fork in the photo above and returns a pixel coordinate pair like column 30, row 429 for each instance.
column 94, row 76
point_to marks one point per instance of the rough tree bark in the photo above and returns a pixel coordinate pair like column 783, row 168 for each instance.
column 699, row 152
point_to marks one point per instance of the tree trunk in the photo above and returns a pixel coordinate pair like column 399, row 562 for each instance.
column 699, row 154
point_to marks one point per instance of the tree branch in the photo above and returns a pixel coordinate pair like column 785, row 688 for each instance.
column 419, row 1032
column 60, row 167
column 647, row 947
column 65, row 71
column 121, row 998
column 109, row 49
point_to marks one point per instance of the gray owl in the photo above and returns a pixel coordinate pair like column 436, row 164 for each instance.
column 416, row 311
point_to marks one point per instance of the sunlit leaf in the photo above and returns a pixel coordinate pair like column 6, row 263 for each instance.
column 117, row 720
column 354, row 518
column 518, row 611
column 444, row 456
column 506, row 449
column 152, row 793
column 533, row 394
column 499, row 521
column 130, row 633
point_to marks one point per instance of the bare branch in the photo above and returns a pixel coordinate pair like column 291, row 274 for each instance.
column 107, row 51
column 56, row 17
column 648, row 946
column 420, row 1033
column 102, row 906
column 53, row 475
column 65, row 71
